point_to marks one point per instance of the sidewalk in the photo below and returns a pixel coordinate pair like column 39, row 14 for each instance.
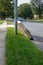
column 3, row 30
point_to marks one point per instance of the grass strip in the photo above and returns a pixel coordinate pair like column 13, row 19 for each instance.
column 9, row 22
column 1, row 21
column 21, row 51
column 38, row 20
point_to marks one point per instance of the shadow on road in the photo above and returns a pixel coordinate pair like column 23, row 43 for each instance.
column 37, row 38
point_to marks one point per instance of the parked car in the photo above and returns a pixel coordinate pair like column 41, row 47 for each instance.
column 20, row 19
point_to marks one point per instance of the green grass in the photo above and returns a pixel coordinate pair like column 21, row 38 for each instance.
column 38, row 20
column 9, row 22
column 1, row 21
column 21, row 51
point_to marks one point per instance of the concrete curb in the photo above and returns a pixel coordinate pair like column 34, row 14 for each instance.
column 26, row 32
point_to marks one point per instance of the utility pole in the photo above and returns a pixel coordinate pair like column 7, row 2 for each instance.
column 15, row 15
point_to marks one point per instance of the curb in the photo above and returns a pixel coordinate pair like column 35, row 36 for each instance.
column 26, row 32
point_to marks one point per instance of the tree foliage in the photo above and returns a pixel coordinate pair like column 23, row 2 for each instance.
column 6, row 9
column 38, row 7
column 24, row 10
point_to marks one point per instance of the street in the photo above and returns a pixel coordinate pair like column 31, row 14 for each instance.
column 36, row 30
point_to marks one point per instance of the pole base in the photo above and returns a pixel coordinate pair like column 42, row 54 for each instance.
column 31, row 39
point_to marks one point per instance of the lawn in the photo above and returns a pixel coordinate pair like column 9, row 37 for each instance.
column 21, row 51
column 9, row 22
column 1, row 21
column 38, row 20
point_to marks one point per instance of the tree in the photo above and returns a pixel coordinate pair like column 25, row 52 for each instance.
column 38, row 7
column 40, row 10
column 24, row 10
column 6, row 9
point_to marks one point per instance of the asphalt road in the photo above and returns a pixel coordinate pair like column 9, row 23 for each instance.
column 36, row 30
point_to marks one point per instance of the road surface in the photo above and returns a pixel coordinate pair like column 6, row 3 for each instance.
column 36, row 30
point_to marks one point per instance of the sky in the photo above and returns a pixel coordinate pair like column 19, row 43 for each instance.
column 23, row 1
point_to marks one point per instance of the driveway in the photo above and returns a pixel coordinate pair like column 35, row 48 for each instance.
column 36, row 30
